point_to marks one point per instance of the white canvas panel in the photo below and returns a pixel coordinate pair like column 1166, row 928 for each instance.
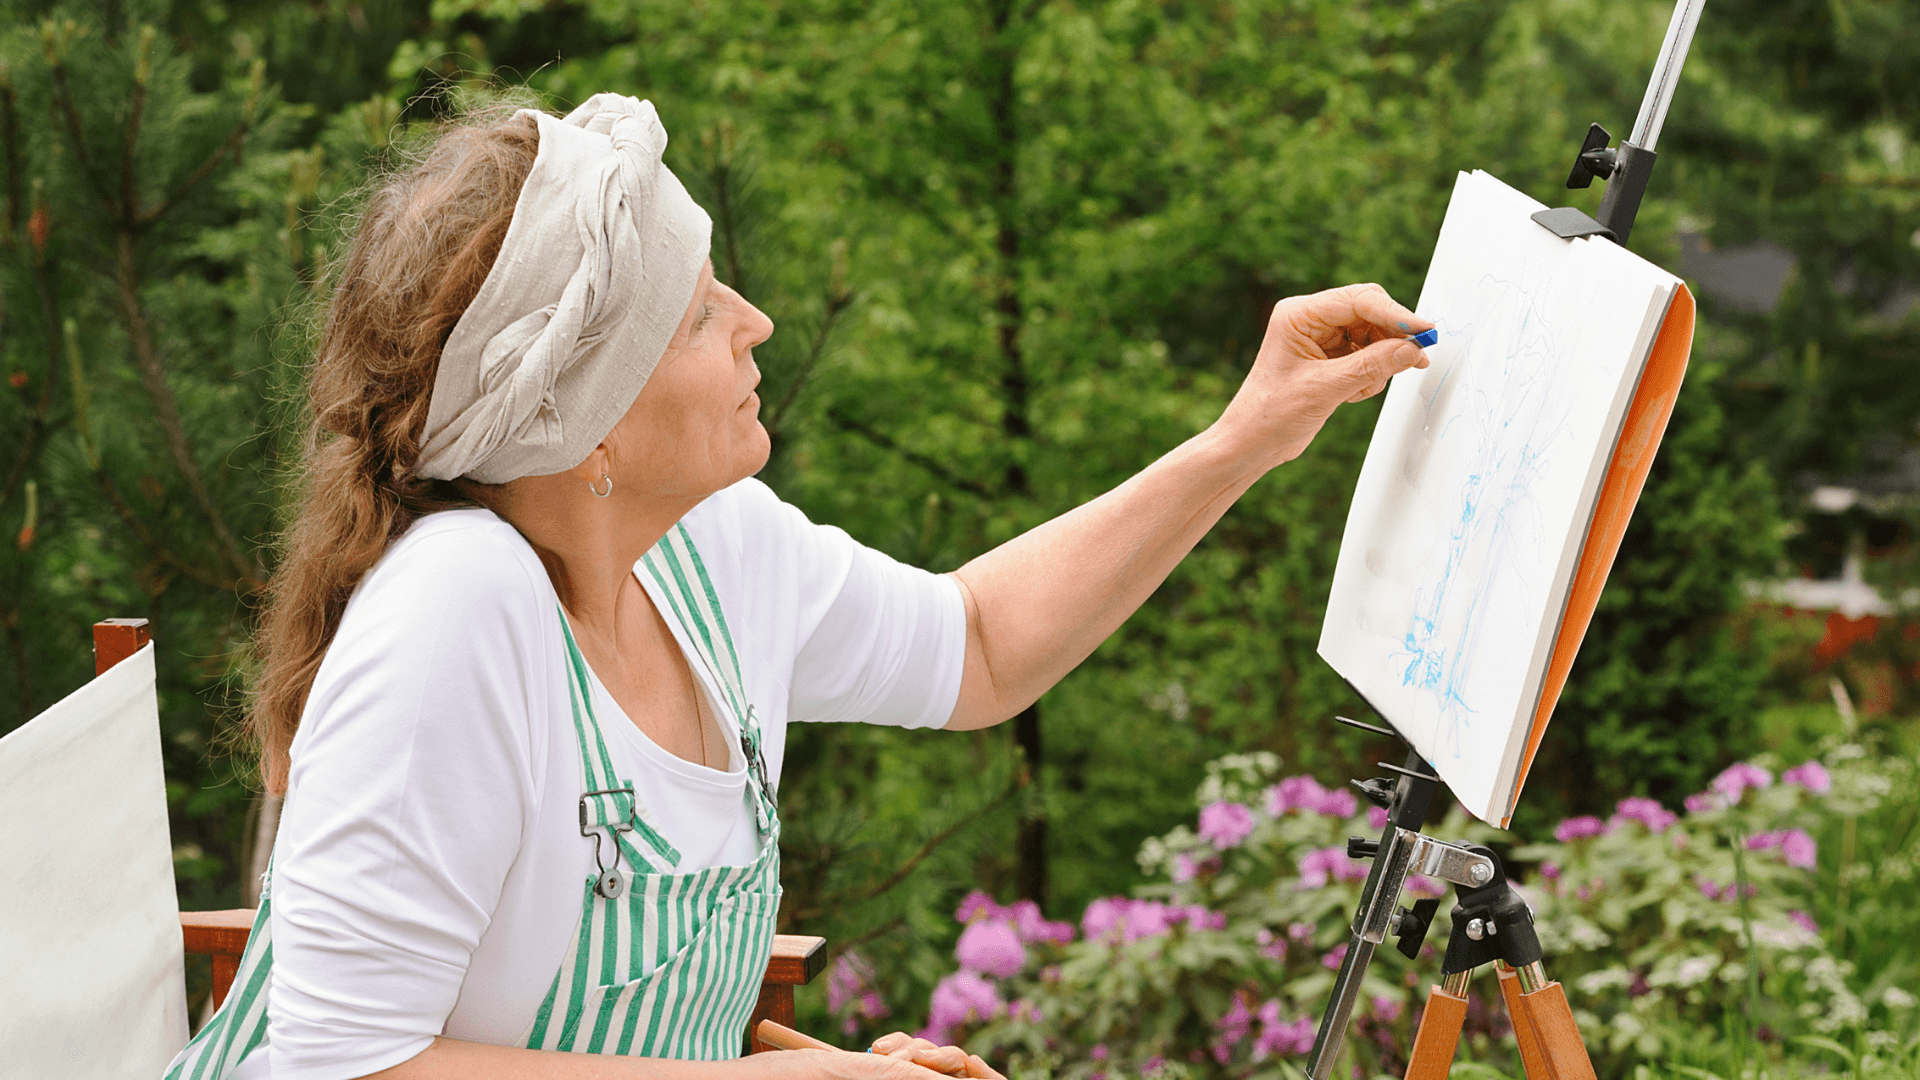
column 1480, row 482
column 89, row 924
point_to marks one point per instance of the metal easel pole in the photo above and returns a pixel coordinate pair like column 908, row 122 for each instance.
column 1628, row 167
column 1633, row 163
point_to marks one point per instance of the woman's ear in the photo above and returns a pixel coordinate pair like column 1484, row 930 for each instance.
column 599, row 463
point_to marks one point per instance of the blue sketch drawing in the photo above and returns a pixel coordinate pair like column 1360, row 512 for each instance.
column 1498, row 414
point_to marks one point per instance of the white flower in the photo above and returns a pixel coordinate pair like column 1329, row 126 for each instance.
column 1599, row 982
column 1895, row 998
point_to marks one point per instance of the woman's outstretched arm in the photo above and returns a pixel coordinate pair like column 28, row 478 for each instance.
column 1040, row 603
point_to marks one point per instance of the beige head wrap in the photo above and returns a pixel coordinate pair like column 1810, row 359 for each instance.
column 597, row 269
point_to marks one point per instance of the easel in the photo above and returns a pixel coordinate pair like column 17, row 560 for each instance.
column 1491, row 924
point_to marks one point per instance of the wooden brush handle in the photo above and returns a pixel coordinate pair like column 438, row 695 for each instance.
column 782, row 1037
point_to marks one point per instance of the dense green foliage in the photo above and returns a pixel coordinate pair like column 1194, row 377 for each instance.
column 1014, row 251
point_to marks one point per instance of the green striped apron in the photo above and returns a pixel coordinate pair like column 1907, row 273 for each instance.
column 662, row 964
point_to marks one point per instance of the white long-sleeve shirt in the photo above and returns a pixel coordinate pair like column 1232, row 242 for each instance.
column 429, row 865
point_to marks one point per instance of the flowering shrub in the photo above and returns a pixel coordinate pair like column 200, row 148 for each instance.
column 1648, row 916
column 1221, row 966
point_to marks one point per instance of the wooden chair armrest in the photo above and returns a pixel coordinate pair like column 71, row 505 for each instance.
column 796, row 959
column 217, row 933
column 221, row 935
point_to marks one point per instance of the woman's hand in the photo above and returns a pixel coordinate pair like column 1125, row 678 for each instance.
column 898, row 1056
column 951, row 1060
column 1336, row 346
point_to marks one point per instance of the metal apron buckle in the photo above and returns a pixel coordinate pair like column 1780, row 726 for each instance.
column 610, row 882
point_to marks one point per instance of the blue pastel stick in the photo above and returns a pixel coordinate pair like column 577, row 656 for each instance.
column 1426, row 338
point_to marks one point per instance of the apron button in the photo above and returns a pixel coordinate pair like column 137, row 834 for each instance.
column 610, row 885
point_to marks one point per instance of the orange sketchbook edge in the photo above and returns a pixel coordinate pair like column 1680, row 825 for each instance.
column 1640, row 435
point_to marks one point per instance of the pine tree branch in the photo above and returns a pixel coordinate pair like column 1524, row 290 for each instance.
column 124, row 512
column 231, row 148
column 37, row 422
column 129, row 198
column 10, row 142
column 63, row 103
column 912, row 863
column 837, row 302
column 848, row 422
column 167, row 411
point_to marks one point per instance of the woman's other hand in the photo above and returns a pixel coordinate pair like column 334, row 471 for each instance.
column 950, row 1060
column 1341, row 345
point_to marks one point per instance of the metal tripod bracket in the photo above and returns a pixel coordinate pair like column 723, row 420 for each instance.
column 1401, row 850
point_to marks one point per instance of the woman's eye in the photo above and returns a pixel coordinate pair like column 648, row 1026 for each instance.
column 706, row 312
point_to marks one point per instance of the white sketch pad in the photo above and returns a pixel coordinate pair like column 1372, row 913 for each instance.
column 1477, row 491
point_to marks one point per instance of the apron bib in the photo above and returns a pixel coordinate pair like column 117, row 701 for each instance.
column 662, row 964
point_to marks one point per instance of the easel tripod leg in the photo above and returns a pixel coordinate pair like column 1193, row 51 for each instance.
column 1532, row 1058
column 1439, row 1035
column 1543, row 1008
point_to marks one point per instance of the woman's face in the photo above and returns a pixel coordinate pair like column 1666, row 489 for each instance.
column 695, row 428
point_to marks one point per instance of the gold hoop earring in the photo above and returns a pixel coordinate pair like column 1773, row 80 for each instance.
column 597, row 491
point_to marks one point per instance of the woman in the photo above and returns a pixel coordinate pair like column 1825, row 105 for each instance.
column 530, row 656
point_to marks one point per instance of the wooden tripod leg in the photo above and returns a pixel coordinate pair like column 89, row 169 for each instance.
column 1438, row 1037
column 1532, row 1059
column 1563, row 1055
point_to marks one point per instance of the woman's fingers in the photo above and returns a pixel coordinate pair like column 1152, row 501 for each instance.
column 950, row 1060
column 1369, row 369
column 1348, row 319
column 979, row 1069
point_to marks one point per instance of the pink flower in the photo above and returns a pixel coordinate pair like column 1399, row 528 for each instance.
column 1271, row 946
column 1735, row 779
column 1152, row 1065
column 1184, row 868
column 1319, row 867
column 1334, row 957
column 1705, row 802
column 1305, row 793
column 1386, row 1009
column 1280, row 1037
column 1025, row 1010
column 1811, row 775
column 1338, row 802
column 1195, row 917
column 1647, row 812
column 1550, row 871
column 961, row 998
column 1236, row 1025
column 978, row 905
column 1103, row 915
column 1301, row 930
column 1422, row 885
column 991, row 948
column 1575, row 828
column 1294, row 793
column 1033, row 928
column 1795, row 846
column 1099, row 1052
column 1377, row 817
column 872, row 1007
column 1800, row 850
column 1146, row 919
column 847, row 980
column 1225, row 824
column 1804, row 921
